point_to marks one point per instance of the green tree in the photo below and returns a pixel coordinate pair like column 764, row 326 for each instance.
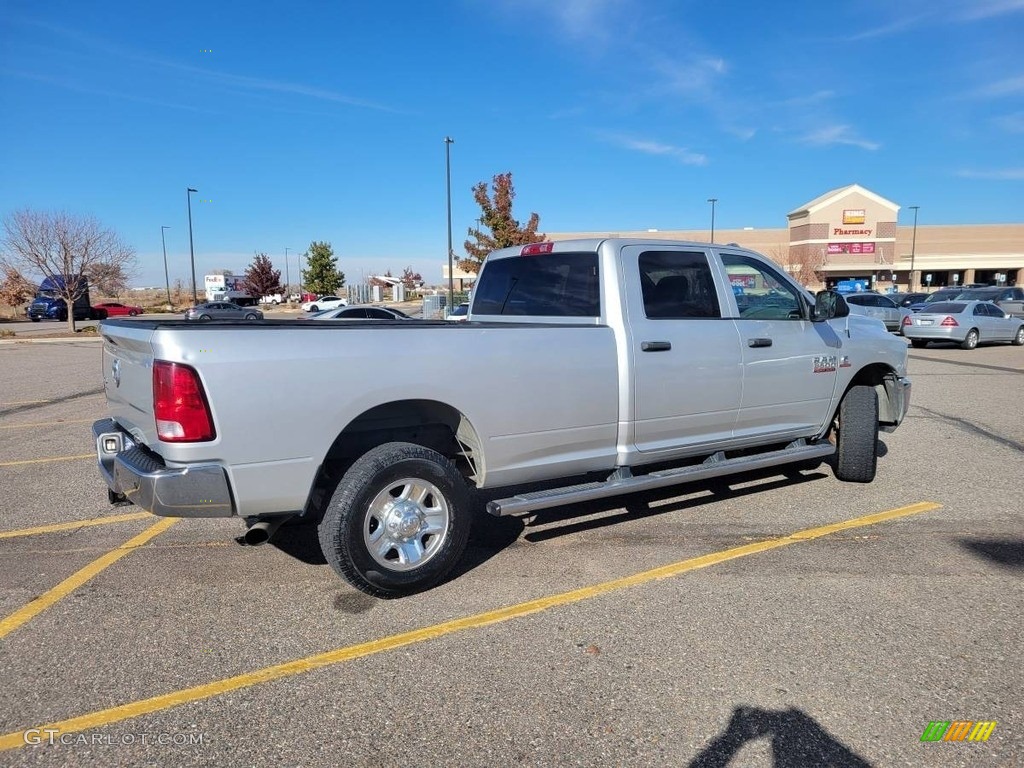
column 499, row 228
column 261, row 279
column 321, row 275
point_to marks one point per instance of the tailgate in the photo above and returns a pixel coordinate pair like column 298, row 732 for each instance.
column 128, row 379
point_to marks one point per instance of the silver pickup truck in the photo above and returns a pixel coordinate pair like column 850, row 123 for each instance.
column 600, row 367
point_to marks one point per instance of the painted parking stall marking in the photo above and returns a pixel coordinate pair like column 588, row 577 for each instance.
column 165, row 701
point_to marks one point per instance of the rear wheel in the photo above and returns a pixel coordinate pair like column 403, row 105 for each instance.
column 919, row 343
column 857, row 441
column 1018, row 339
column 204, row 317
column 398, row 520
column 971, row 340
column 314, row 308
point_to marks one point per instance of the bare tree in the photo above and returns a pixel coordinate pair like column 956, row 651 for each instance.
column 801, row 264
column 64, row 248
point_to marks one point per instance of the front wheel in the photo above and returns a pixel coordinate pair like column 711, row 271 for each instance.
column 971, row 340
column 250, row 316
column 1018, row 339
column 857, row 441
column 132, row 313
column 398, row 521
column 205, row 317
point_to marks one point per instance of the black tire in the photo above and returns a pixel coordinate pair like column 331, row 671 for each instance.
column 250, row 316
column 1018, row 340
column 857, row 438
column 354, row 518
column 314, row 308
column 132, row 313
column 34, row 319
column 62, row 317
column 919, row 343
column 970, row 340
column 205, row 317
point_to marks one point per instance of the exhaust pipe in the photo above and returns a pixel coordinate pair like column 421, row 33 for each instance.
column 261, row 531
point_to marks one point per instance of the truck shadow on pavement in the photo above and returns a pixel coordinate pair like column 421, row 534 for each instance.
column 1007, row 553
column 797, row 741
column 491, row 535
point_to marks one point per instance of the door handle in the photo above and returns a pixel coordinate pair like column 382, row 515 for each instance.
column 759, row 342
column 655, row 346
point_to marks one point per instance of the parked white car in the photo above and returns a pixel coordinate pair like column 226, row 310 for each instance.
column 878, row 306
column 324, row 302
column 273, row 298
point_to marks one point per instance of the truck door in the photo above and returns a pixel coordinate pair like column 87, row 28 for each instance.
column 686, row 359
column 789, row 363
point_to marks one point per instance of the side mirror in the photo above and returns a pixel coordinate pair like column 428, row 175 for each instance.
column 829, row 304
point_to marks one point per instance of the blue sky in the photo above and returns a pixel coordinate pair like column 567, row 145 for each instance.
column 307, row 121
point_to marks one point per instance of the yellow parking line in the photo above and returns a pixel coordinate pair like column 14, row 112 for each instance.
column 105, row 717
column 46, row 423
column 76, row 580
column 23, row 402
column 47, row 460
column 73, row 525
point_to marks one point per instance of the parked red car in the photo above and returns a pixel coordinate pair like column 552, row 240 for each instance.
column 114, row 309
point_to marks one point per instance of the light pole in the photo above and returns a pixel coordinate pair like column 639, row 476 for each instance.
column 287, row 279
column 712, row 200
column 167, row 278
column 448, row 141
column 191, row 249
column 913, row 249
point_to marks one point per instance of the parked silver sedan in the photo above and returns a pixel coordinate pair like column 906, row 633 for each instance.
column 367, row 312
column 878, row 306
column 222, row 310
column 968, row 323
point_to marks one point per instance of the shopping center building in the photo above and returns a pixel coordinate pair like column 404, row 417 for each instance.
column 852, row 233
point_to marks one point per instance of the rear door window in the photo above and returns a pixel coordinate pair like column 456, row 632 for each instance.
column 678, row 285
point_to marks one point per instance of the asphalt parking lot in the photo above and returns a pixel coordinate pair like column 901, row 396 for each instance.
column 770, row 636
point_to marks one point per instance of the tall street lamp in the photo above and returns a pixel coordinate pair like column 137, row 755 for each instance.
column 448, row 141
column 167, row 278
column 191, row 249
column 913, row 248
column 712, row 200
column 287, row 279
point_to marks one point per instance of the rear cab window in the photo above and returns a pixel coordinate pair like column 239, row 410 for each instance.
column 545, row 285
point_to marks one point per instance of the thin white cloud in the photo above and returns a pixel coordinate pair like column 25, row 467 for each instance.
column 1000, row 174
column 1005, row 87
column 215, row 76
column 810, row 99
column 694, row 76
column 592, row 20
column 648, row 147
column 980, row 9
column 71, row 86
column 892, row 28
column 838, row 134
column 1012, row 123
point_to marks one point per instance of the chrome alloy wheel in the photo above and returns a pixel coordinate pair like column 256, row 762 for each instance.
column 406, row 524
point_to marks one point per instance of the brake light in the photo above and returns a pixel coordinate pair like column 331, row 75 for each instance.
column 179, row 404
column 906, row 320
column 949, row 322
column 535, row 249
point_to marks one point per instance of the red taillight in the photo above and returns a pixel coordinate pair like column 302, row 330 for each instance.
column 535, row 249
column 906, row 320
column 949, row 322
column 179, row 404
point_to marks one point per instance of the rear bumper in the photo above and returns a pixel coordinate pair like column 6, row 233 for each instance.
column 198, row 490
